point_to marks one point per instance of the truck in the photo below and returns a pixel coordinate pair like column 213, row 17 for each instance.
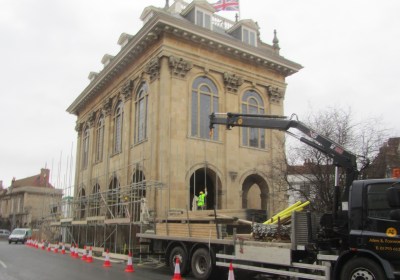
column 358, row 239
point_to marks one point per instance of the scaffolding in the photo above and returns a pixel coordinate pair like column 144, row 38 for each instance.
column 108, row 219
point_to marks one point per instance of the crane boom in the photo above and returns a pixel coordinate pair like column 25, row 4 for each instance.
column 341, row 157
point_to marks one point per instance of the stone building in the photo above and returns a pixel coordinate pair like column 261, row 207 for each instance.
column 143, row 121
column 28, row 201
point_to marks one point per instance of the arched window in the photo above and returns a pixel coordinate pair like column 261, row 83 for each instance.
column 141, row 113
column 99, row 138
column 204, row 102
column 118, row 116
column 95, row 201
column 252, row 103
column 85, row 148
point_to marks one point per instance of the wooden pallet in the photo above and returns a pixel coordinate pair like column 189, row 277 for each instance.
column 197, row 230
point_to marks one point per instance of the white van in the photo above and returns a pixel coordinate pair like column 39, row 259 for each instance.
column 19, row 235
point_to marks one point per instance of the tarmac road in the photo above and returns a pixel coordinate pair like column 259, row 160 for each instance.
column 21, row 262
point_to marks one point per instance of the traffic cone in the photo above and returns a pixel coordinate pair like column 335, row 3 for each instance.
column 84, row 258
column 72, row 251
column 76, row 252
column 89, row 258
column 56, row 248
column 107, row 262
column 177, row 272
column 63, row 249
column 43, row 247
column 231, row 275
column 48, row 247
column 129, row 265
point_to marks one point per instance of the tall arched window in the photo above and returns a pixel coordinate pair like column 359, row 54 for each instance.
column 99, row 138
column 118, row 117
column 141, row 113
column 252, row 103
column 204, row 102
column 85, row 148
column 95, row 201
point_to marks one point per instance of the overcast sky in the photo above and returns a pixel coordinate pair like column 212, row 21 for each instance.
column 350, row 51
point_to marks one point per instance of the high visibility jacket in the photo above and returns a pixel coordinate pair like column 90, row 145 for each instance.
column 201, row 199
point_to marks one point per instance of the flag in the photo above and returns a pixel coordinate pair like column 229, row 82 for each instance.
column 226, row 5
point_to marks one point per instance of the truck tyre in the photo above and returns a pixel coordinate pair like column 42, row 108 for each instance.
column 201, row 264
column 362, row 269
column 179, row 252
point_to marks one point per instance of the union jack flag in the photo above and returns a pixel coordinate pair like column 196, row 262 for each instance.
column 226, row 5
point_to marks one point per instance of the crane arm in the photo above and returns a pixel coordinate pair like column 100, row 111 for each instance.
column 340, row 156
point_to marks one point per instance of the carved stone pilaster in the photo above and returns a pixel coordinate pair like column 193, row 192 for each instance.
column 232, row 82
column 79, row 127
column 127, row 88
column 153, row 68
column 107, row 106
column 275, row 94
column 179, row 67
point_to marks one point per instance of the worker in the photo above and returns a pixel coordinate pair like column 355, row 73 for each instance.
column 201, row 200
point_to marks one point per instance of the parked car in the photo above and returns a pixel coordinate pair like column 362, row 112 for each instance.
column 4, row 233
column 20, row 235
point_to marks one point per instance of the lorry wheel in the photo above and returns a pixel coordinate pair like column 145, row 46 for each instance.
column 201, row 264
column 179, row 252
column 362, row 269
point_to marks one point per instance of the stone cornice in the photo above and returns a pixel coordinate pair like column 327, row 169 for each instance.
column 161, row 23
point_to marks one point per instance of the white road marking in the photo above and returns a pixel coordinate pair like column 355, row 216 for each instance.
column 3, row 264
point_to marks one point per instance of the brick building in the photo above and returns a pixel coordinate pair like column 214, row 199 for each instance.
column 28, row 201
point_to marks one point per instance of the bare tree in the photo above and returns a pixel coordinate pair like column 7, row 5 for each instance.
column 311, row 173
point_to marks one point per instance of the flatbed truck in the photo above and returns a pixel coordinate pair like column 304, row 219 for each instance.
column 358, row 240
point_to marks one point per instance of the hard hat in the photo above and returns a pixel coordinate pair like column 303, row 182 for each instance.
column 201, row 192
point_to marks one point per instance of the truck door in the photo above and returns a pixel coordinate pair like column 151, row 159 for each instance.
column 381, row 228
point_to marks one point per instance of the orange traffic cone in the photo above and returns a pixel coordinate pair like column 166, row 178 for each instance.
column 231, row 275
column 76, row 252
column 89, row 258
column 56, row 248
column 129, row 265
column 63, row 249
column 177, row 272
column 107, row 262
column 72, row 251
column 49, row 248
column 84, row 258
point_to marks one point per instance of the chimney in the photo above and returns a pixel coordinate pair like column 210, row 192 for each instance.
column 44, row 175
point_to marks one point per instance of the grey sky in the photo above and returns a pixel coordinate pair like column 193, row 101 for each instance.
column 349, row 50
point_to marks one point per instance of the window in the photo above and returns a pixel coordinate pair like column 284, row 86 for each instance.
column 95, row 201
column 118, row 115
column 203, row 19
column 252, row 103
column 85, row 148
column 378, row 206
column 99, row 138
column 141, row 113
column 249, row 37
column 204, row 102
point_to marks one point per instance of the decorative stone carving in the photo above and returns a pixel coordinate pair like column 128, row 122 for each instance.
column 78, row 127
column 233, row 175
column 275, row 94
column 153, row 68
column 107, row 106
column 127, row 89
column 232, row 82
column 91, row 119
column 179, row 66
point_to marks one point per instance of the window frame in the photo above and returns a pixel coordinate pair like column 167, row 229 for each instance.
column 252, row 103
column 118, row 127
column 141, row 113
column 199, row 121
column 85, row 147
column 100, row 127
